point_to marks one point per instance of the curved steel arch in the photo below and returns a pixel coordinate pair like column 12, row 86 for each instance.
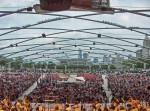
column 27, row 40
column 105, row 50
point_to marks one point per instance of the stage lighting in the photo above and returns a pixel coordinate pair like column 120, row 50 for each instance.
column 43, row 35
column 11, row 45
column 53, row 43
column 29, row 9
column 99, row 35
column 136, row 45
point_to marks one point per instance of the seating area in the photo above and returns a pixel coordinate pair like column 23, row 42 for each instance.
column 126, row 85
column 13, row 85
column 89, row 77
column 69, row 92
column 130, row 92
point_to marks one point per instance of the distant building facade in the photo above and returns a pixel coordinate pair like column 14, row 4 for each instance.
column 79, row 54
column 117, row 61
column 130, row 56
column 85, row 55
column 145, row 51
column 74, row 62
column 95, row 60
column 107, row 60
column 139, row 53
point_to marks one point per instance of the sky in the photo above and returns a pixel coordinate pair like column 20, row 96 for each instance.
column 67, row 44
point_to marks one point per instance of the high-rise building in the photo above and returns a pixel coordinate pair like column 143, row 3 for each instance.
column 139, row 53
column 79, row 54
column 85, row 55
column 95, row 60
column 117, row 61
column 145, row 51
column 105, row 59
column 130, row 57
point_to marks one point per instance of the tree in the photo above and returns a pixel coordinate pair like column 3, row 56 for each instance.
column 112, row 67
column 95, row 67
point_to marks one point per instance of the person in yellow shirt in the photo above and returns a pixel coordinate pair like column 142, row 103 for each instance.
column 76, row 107
column 59, row 106
column 112, row 108
column 24, row 99
column 97, row 105
column 148, row 109
column 19, row 105
column 122, row 108
column 1, row 108
column 56, row 108
column 6, row 103
column 67, row 107
column 40, row 107
column 134, row 109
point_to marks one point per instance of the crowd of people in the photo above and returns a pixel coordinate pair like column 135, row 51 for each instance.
column 131, row 104
column 123, row 86
column 13, row 85
column 130, row 92
column 88, row 91
column 18, row 105
column 79, row 70
column 98, row 71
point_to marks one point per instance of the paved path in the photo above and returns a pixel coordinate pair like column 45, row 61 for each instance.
column 105, row 86
column 30, row 89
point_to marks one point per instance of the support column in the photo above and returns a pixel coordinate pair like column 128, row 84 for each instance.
column 65, row 68
column 21, row 65
column 9, row 66
column 133, row 66
column 46, row 67
column 108, row 66
column 33, row 66
column 144, row 66
column 55, row 67
column 100, row 67
column 90, row 67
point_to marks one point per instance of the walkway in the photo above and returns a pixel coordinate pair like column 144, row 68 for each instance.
column 105, row 86
column 30, row 89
